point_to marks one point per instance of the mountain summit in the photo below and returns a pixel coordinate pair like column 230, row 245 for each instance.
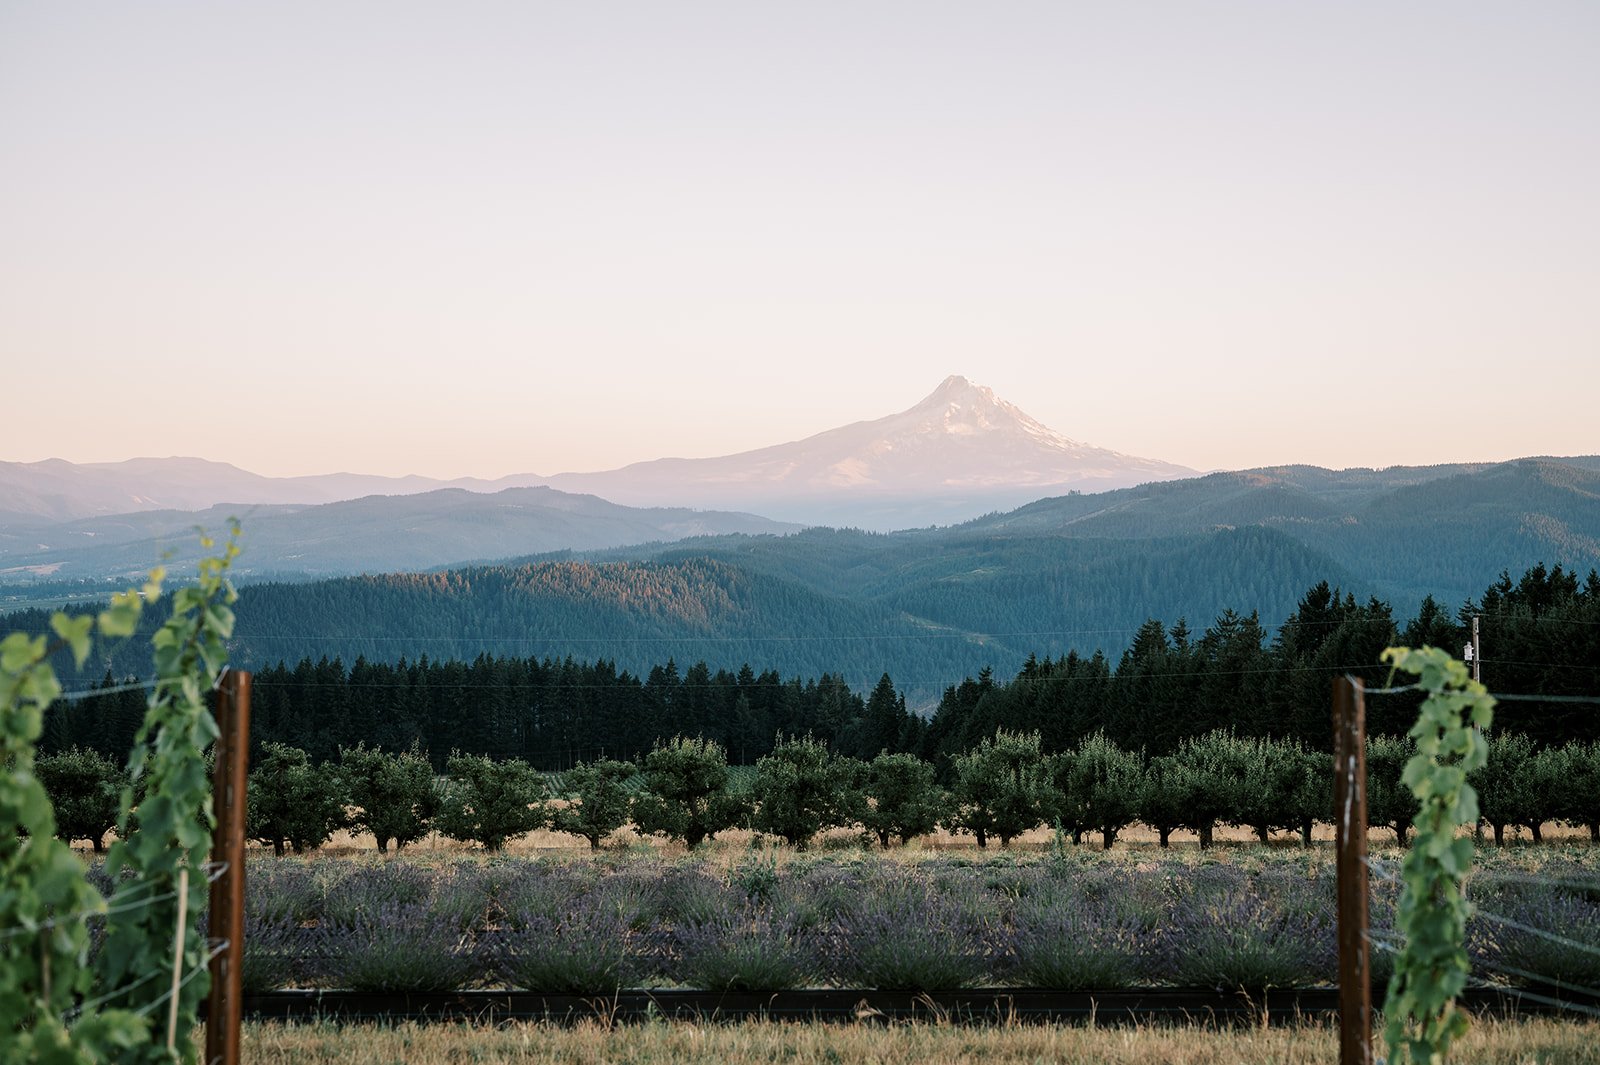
column 958, row 453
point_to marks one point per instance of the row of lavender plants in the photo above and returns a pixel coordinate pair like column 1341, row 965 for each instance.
column 591, row 928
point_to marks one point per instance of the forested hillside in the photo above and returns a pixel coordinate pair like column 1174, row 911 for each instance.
column 880, row 604
column 366, row 535
column 1404, row 533
column 1074, row 574
column 1541, row 636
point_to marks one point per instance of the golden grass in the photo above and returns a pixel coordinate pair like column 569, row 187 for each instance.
column 1136, row 839
column 1136, row 845
column 545, row 841
column 1530, row 1042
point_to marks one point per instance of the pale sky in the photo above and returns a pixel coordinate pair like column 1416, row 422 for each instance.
column 474, row 238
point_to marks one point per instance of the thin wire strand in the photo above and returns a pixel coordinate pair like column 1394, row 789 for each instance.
column 1540, row 978
column 84, row 915
column 95, row 1003
column 1105, row 678
column 202, row 967
column 1553, row 937
column 85, row 693
column 127, row 902
column 1382, row 875
column 1479, row 875
column 217, row 945
column 1576, row 1007
column 1490, row 660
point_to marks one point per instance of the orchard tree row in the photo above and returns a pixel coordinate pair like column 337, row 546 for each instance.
column 1007, row 785
column 1541, row 635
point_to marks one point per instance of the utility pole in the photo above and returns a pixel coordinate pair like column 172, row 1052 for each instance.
column 1473, row 652
column 1477, row 651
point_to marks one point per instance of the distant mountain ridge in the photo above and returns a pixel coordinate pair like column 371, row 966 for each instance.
column 372, row 534
column 958, row 453
column 1070, row 572
column 54, row 490
column 1401, row 533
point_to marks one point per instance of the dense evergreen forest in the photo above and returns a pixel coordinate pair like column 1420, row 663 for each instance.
column 1541, row 635
column 844, row 603
column 1062, row 576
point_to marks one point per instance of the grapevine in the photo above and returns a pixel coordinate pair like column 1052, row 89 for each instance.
column 1422, row 1018
column 166, row 841
column 45, row 900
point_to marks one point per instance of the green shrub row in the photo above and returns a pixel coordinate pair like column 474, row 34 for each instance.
column 684, row 790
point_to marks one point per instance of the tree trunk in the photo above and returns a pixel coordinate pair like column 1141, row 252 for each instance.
column 1108, row 836
column 1264, row 833
column 594, row 843
column 1205, row 836
column 1305, row 833
column 883, row 838
column 1166, row 836
column 99, row 843
column 1499, row 834
column 277, row 848
column 1077, row 836
column 1538, row 833
column 1594, row 831
column 983, row 838
column 1401, row 833
column 383, row 845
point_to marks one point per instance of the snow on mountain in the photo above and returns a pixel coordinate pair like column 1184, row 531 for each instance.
column 958, row 453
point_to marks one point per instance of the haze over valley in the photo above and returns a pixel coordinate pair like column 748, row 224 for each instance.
column 963, row 465
column 1044, row 545
column 591, row 501
column 958, row 453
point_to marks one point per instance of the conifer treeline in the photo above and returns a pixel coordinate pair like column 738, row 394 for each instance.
column 1541, row 635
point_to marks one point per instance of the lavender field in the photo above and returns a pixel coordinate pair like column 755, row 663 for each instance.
column 1252, row 919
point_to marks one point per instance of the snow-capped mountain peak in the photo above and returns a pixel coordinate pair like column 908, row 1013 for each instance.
column 957, row 452
column 961, row 408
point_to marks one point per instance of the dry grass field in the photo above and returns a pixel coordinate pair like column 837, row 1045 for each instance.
column 1136, row 839
column 1532, row 1042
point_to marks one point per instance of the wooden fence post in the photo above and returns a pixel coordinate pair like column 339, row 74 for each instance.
column 1350, row 833
column 227, row 847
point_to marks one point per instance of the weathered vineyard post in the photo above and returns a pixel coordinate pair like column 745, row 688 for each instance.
column 227, row 848
column 1350, row 828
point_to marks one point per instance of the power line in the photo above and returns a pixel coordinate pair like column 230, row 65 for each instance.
column 559, row 685
column 136, row 685
column 1497, row 696
column 1109, row 678
column 1540, row 665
